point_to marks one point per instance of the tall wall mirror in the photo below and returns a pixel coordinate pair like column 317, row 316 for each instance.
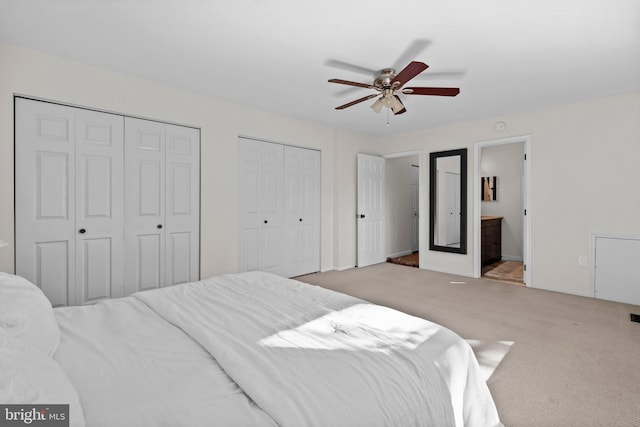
column 448, row 201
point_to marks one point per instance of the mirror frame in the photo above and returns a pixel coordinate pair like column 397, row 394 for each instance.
column 433, row 195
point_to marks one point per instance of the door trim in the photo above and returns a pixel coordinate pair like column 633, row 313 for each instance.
column 526, row 195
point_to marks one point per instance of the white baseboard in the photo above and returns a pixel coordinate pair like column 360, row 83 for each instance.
column 563, row 291
column 511, row 258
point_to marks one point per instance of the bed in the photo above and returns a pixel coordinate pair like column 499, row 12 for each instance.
column 248, row 349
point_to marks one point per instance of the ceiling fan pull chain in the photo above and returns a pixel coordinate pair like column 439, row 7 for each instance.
column 388, row 116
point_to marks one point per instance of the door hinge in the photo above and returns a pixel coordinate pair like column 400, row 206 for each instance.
column 525, row 212
column 524, row 267
column 525, row 157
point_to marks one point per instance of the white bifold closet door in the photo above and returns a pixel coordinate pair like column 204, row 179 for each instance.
column 279, row 208
column 105, row 205
column 69, row 201
column 162, row 175
column 302, row 211
column 260, row 194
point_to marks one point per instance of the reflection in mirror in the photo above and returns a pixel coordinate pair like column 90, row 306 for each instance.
column 448, row 201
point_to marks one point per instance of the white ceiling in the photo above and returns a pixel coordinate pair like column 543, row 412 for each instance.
column 505, row 55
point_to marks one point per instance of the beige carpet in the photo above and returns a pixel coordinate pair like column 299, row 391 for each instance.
column 574, row 361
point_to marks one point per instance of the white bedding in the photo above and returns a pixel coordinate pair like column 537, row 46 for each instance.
column 310, row 356
column 132, row 368
column 202, row 353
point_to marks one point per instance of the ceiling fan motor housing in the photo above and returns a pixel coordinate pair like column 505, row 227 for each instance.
column 385, row 78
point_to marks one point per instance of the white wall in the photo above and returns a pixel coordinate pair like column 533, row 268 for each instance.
column 33, row 73
column 347, row 146
column 584, row 173
column 506, row 163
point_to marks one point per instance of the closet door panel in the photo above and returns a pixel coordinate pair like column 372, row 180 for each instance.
column 95, row 278
column 148, row 261
column 99, row 206
column 271, row 196
column 182, row 214
column 179, row 257
column 45, row 197
column 302, row 211
column 144, row 241
column 279, row 210
column 249, row 202
column 50, row 270
column 260, row 206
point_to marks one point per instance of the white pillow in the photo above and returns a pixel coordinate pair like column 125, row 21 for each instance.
column 29, row 376
column 26, row 313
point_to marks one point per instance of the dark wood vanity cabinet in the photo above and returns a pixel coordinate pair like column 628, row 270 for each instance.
column 491, row 239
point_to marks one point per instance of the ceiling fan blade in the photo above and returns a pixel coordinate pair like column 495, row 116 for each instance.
column 357, row 101
column 412, row 51
column 399, row 108
column 439, row 91
column 347, row 82
column 350, row 67
column 410, row 71
column 453, row 74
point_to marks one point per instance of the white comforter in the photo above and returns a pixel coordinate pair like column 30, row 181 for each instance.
column 131, row 368
column 308, row 356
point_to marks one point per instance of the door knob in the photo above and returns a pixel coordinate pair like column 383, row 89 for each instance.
column 82, row 231
column 361, row 216
column 159, row 225
column 265, row 221
column 300, row 219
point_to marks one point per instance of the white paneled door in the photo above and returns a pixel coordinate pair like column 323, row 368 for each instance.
column 69, row 201
column 99, row 206
column 371, row 211
column 145, row 199
column 278, row 208
column 182, row 213
column 260, row 213
column 162, row 198
column 105, row 204
column 302, row 211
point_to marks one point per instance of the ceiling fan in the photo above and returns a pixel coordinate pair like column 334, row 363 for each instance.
column 388, row 82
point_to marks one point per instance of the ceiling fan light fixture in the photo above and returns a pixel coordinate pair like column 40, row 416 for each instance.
column 397, row 106
column 377, row 106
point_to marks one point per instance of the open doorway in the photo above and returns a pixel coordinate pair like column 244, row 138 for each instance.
column 501, row 202
column 403, row 208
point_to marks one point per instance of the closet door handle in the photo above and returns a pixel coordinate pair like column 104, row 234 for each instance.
column 82, row 231
column 159, row 226
column 300, row 219
column 265, row 221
